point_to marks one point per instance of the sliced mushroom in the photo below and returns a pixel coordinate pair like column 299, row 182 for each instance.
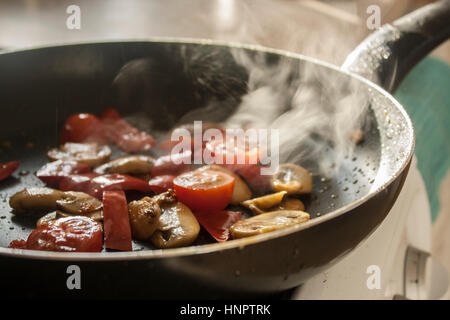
column 292, row 178
column 262, row 204
column 78, row 203
column 96, row 215
column 289, row 204
column 177, row 227
column 241, row 191
column 35, row 199
column 41, row 199
column 267, row 222
column 133, row 165
column 91, row 154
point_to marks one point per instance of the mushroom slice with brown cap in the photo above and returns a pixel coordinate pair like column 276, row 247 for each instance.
column 292, row 178
column 35, row 199
column 178, row 227
column 133, row 165
column 91, row 154
column 41, row 199
column 241, row 191
column 267, row 222
column 78, row 203
column 262, row 204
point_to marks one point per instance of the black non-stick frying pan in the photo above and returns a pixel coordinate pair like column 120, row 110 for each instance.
column 40, row 88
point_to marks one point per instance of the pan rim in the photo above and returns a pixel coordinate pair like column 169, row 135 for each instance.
column 237, row 243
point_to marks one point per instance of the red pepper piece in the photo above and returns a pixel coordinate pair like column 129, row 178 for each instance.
column 161, row 184
column 77, row 182
column 218, row 223
column 116, row 224
column 95, row 184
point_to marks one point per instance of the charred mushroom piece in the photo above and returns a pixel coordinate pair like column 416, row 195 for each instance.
column 78, row 203
column 267, row 222
column 96, row 215
column 241, row 192
column 144, row 214
column 35, row 199
column 262, row 204
column 177, row 227
column 292, row 178
column 91, row 154
column 132, row 165
column 144, row 217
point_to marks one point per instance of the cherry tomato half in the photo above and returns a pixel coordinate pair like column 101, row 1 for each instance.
column 82, row 127
column 76, row 233
column 204, row 190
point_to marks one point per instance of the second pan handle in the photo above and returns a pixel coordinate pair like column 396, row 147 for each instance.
column 388, row 54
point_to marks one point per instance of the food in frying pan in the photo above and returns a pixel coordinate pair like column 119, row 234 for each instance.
column 94, row 201
column 267, row 222
column 177, row 226
column 132, row 164
column 41, row 199
column 91, row 154
column 72, row 234
column 292, row 178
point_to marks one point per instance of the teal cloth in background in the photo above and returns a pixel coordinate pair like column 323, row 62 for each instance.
column 425, row 94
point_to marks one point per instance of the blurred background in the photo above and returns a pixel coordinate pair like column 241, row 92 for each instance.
column 327, row 30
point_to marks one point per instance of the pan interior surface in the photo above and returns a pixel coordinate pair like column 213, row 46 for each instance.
column 163, row 82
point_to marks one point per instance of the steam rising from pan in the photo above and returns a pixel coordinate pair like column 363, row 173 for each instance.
column 314, row 110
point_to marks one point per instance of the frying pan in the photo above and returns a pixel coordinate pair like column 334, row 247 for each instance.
column 39, row 88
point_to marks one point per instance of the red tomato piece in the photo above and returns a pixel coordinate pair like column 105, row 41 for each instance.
column 124, row 135
column 204, row 190
column 116, row 221
column 83, row 127
column 18, row 244
column 73, row 234
column 161, row 184
column 218, row 223
column 7, row 169
column 172, row 164
column 53, row 172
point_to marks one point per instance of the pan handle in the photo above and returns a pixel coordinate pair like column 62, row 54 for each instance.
column 387, row 55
